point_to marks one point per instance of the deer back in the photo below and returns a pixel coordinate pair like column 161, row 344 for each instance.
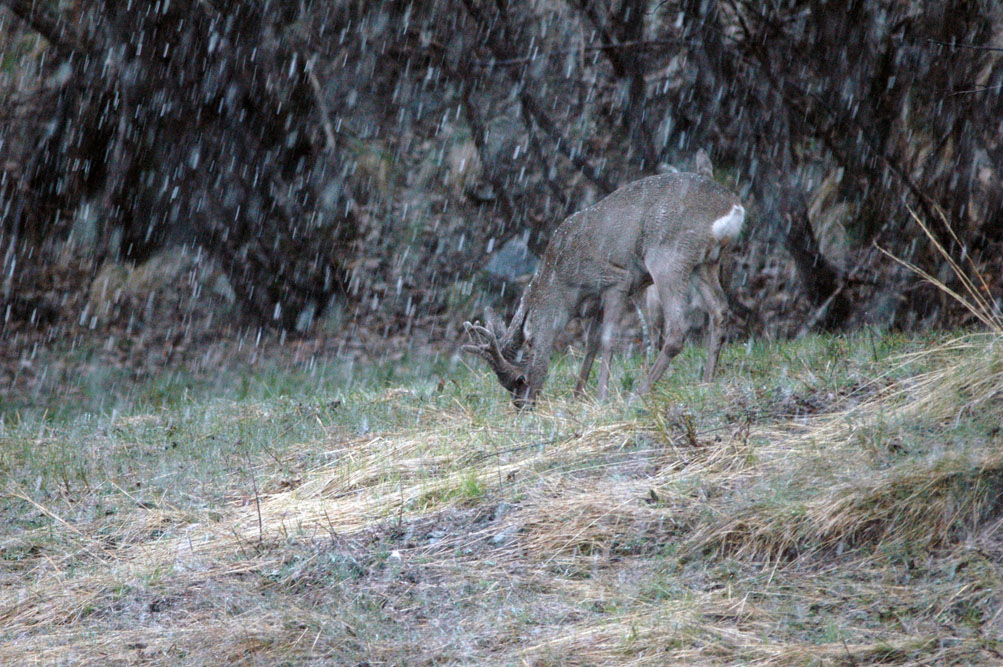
column 609, row 242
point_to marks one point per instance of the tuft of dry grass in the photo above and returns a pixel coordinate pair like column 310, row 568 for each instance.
column 973, row 292
column 918, row 462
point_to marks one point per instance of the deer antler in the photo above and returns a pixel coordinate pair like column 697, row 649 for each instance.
column 486, row 345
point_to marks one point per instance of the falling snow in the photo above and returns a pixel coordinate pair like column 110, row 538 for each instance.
column 377, row 173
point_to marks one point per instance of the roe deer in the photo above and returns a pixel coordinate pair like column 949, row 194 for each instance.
column 667, row 231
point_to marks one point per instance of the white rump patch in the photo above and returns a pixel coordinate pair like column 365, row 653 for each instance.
column 727, row 227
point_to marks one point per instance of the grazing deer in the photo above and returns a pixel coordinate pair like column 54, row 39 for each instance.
column 667, row 231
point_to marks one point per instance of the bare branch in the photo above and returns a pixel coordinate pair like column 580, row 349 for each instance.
column 616, row 46
column 965, row 46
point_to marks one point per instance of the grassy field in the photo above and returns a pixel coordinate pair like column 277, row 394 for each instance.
column 833, row 500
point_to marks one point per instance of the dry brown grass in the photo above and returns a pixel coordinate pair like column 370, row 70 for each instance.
column 581, row 534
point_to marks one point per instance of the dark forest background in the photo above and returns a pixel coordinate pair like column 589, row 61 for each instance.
column 184, row 171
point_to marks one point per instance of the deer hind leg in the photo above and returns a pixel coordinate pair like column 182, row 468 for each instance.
column 708, row 284
column 672, row 292
column 591, row 347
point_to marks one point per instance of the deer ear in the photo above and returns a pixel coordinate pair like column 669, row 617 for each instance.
column 703, row 164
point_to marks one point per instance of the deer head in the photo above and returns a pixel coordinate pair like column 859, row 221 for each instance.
column 500, row 348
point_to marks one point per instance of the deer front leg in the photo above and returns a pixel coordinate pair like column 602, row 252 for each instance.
column 613, row 302
column 591, row 347
column 653, row 311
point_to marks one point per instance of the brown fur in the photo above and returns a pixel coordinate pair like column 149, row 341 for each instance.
column 657, row 230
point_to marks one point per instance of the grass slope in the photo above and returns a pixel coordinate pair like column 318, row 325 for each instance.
column 825, row 501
